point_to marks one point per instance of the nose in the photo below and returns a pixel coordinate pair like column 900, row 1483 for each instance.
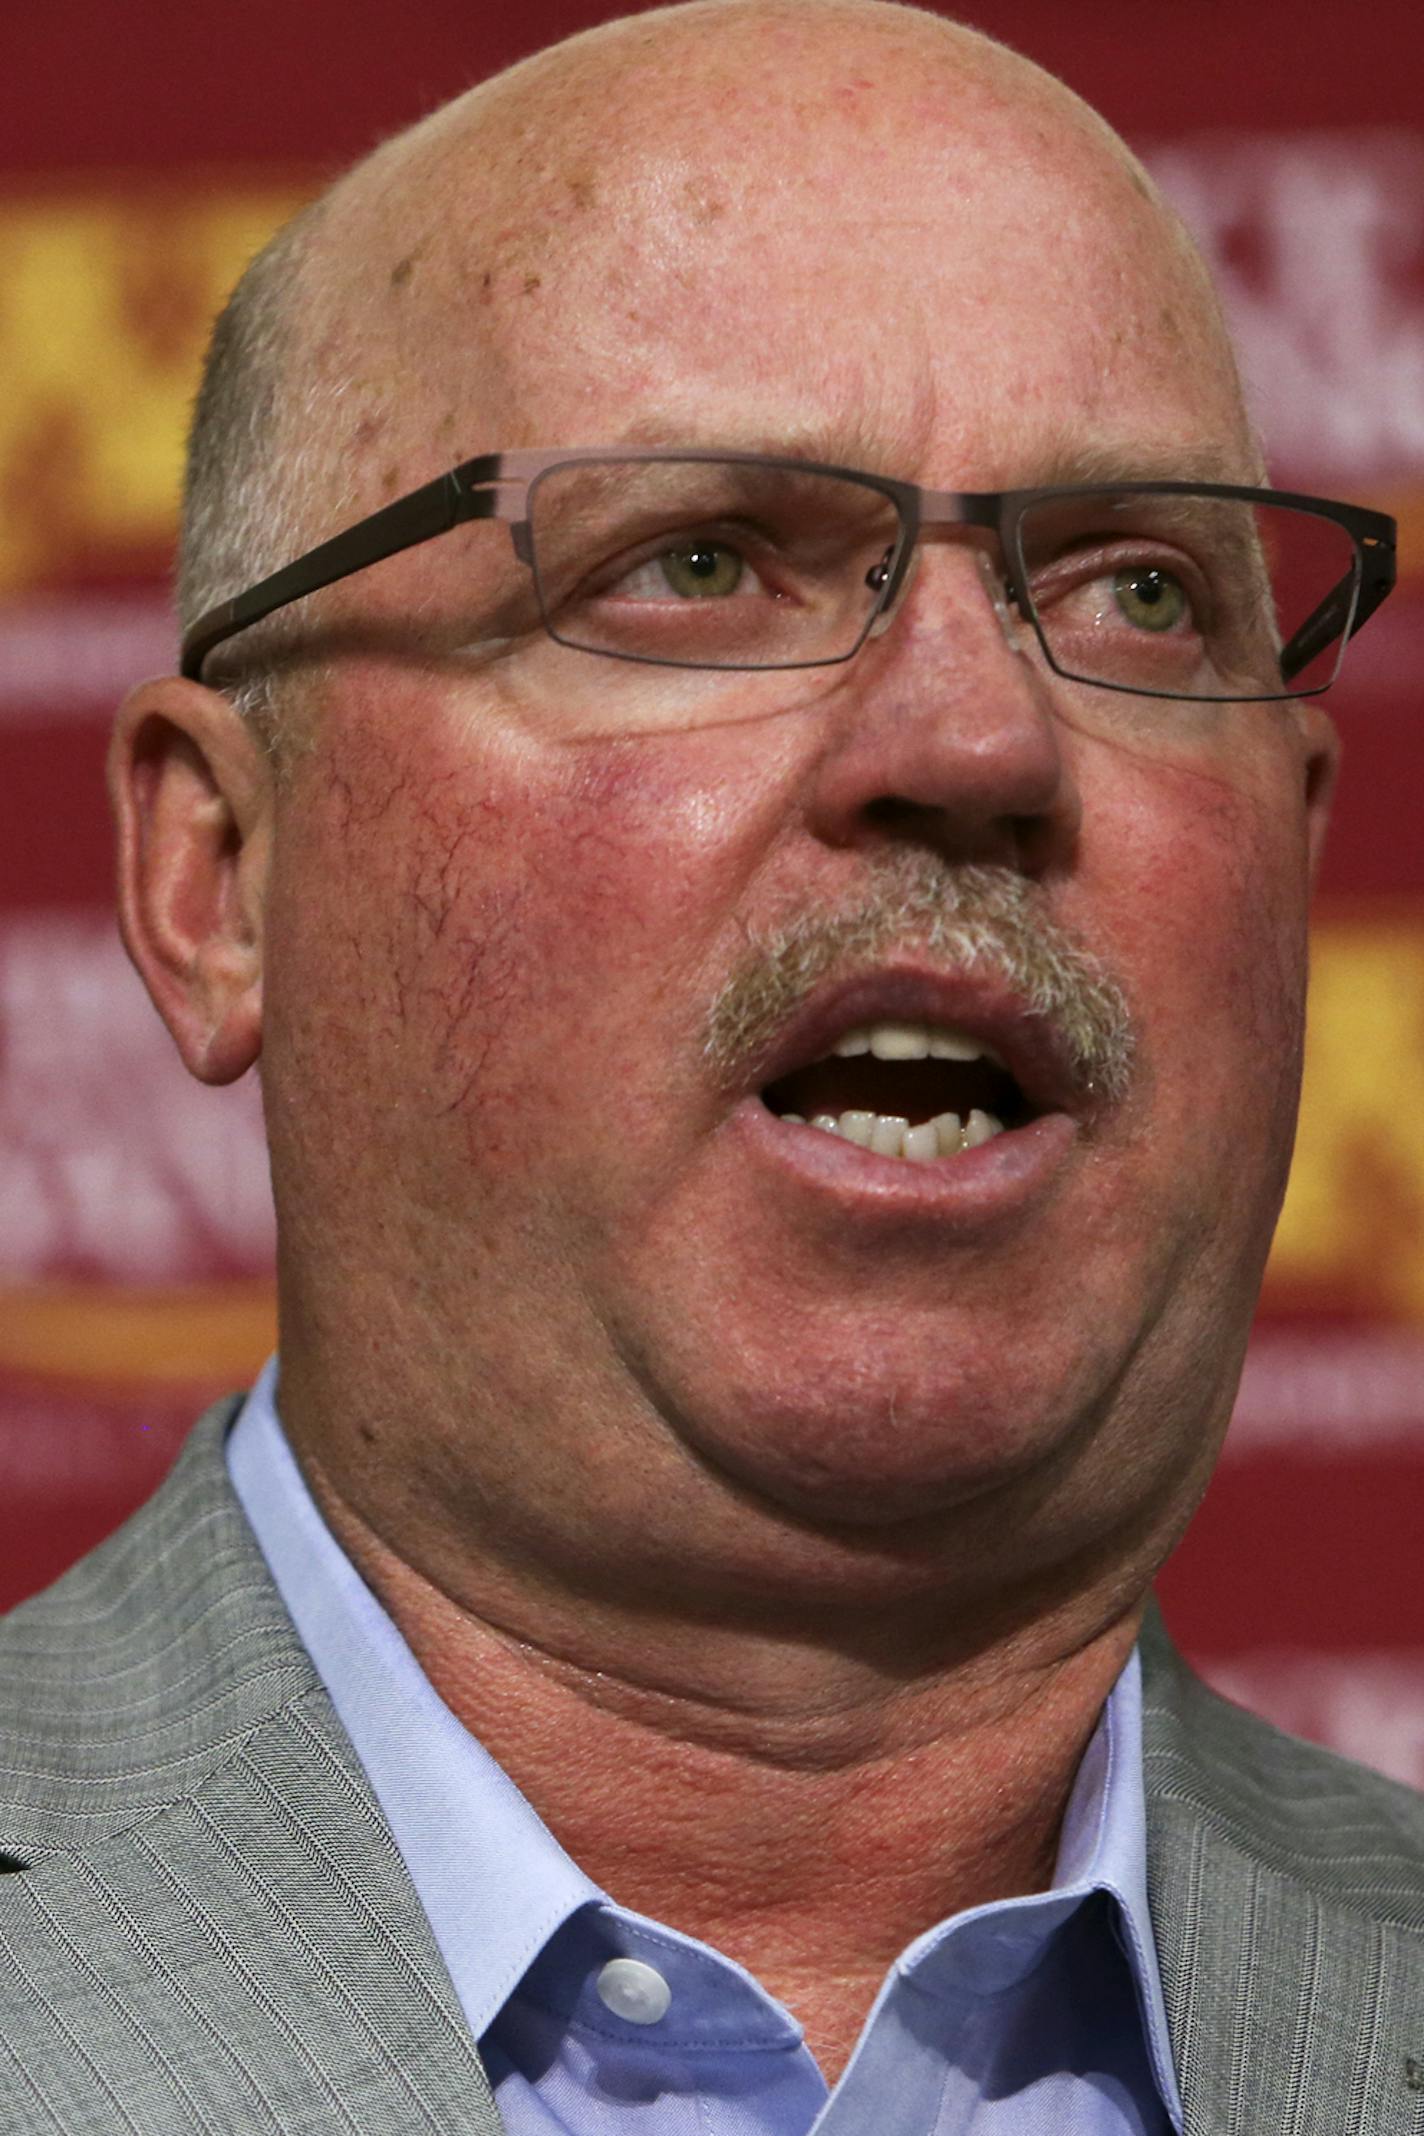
column 943, row 729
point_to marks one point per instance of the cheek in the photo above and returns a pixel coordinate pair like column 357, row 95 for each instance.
column 1212, row 928
column 476, row 944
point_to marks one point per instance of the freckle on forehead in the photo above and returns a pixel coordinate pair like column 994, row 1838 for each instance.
column 703, row 201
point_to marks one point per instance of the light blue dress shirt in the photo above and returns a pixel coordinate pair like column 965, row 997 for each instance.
column 1036, row 2016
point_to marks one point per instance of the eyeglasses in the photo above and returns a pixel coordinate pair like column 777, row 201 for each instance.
column 743, row 561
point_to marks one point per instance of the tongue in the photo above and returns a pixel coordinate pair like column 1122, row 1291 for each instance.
column 912, row 1090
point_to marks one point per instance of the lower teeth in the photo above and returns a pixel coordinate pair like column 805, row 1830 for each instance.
column 887, row 1135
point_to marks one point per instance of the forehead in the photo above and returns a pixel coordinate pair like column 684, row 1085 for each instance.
column 955, row 279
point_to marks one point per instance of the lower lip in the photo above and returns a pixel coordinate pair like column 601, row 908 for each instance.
column 999, row 1180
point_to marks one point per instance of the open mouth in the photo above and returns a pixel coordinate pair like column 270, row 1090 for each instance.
column 921, row 1091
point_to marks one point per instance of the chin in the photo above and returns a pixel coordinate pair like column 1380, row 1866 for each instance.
column 895, row 1457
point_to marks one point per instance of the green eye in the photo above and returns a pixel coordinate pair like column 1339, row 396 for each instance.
column 1150, row 599
column 701, row 570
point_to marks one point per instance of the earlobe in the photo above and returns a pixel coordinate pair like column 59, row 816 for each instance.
column 192, row 794
column 1322, row 765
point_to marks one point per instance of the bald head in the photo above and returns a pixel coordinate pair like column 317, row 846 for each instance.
column 594, row 208
column 679, row 81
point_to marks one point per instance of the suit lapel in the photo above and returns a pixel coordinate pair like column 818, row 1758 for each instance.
column 1295, row 2007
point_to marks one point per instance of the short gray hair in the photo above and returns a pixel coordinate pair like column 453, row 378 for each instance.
column 252, row 446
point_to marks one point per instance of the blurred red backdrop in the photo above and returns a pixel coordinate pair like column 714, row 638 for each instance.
column 146, row 152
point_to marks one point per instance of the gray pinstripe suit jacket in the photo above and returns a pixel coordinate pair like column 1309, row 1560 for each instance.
column 205, row 1928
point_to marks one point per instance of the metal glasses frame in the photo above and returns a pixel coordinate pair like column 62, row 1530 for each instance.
column 497, row 486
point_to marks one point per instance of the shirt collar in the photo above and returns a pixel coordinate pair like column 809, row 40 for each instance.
column 494, row 1882
column 1102, row 1847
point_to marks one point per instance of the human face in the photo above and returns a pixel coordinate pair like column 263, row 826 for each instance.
column 537, row 1251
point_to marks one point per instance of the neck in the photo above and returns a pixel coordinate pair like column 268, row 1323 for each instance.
column 730, row 1798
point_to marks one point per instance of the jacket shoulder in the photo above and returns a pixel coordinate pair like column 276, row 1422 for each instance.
column 1287, row 1806
column 146, row 1666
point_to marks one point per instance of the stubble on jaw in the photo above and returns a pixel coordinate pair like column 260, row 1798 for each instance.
column 977, row 919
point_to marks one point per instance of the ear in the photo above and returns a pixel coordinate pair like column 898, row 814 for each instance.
column 192, row 792
column 1322, row 765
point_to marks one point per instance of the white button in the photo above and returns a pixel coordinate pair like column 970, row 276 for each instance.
column 633, row 1991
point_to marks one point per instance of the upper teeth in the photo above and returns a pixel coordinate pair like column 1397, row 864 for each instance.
column 915, row 1042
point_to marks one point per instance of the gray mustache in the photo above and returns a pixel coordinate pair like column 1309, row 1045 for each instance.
column 974, row 918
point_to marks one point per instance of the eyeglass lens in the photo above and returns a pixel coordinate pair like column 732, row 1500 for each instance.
column 733, row 564
column 707, row 563
column 1186, row 596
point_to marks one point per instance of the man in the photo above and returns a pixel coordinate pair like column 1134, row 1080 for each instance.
column 779, row 998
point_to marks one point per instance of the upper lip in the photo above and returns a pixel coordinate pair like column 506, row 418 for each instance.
column 979, row 1005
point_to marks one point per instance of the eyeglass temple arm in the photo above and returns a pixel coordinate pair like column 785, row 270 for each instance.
column 1326, row 622
column 465, row 492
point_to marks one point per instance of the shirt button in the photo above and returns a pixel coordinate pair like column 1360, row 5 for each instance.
column 633, row 1991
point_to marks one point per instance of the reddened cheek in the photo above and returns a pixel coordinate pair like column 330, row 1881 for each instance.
column 500, row 925
column 1207, row 924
